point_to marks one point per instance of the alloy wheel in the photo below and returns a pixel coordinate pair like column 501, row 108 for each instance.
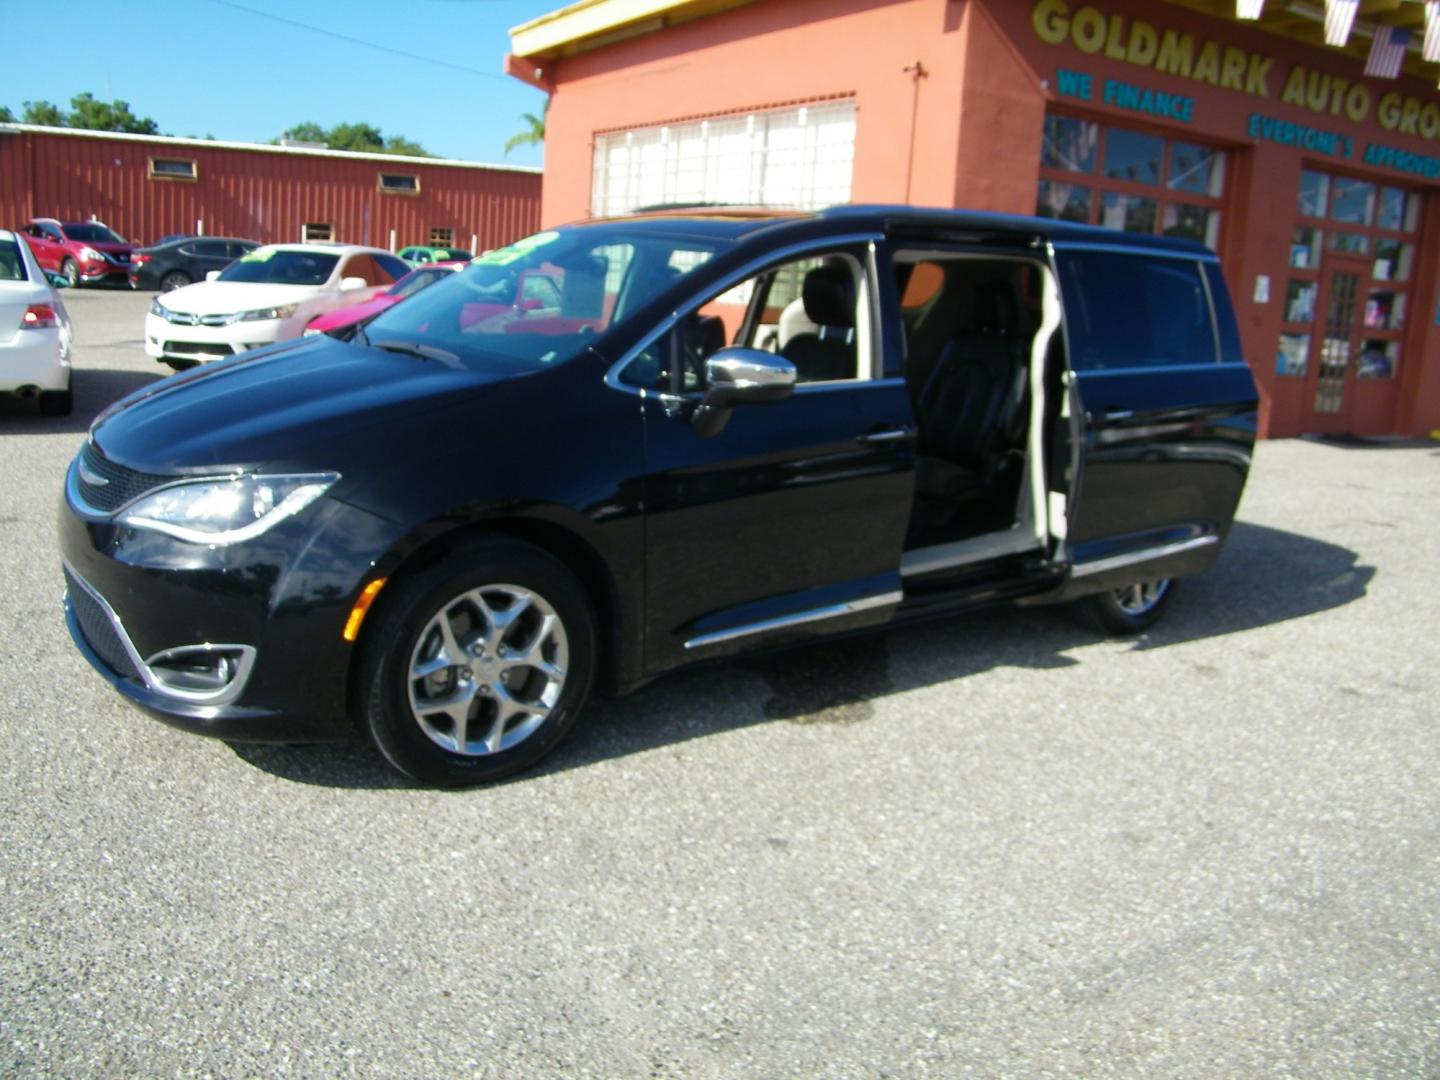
column 1142, row 597
column 487, row 669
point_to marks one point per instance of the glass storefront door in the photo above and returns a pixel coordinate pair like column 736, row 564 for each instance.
column 1352, row 263
column 1341, row 281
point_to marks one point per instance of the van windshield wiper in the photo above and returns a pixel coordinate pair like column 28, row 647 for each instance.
column 412, row 348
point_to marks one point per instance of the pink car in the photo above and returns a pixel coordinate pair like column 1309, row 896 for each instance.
column 408, row 285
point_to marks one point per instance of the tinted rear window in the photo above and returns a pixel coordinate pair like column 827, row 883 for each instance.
column 90, row 232
column 1128, row 311
column 12, row 263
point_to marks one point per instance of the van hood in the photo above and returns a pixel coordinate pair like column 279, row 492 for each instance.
column 228, row 297
column 315, row 403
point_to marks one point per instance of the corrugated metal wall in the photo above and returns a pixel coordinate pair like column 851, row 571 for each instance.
column 256, row 194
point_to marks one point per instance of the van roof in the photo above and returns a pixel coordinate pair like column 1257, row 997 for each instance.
column 739, row 222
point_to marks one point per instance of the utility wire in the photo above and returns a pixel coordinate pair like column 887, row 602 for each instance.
column 360, row 41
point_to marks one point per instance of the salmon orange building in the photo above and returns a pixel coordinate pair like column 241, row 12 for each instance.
column 1318, row 184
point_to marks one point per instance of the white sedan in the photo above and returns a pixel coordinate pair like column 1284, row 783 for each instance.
column 35, row 330
column 266, row 296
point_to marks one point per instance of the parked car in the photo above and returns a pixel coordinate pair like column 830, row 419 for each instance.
column 172, row 265
column 35, row 330
column 83, row 251
column 420, row 255
column 453, row 529
column 348, row 316
column 265, row 296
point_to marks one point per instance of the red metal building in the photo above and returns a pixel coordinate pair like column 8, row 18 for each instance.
column 147, row 186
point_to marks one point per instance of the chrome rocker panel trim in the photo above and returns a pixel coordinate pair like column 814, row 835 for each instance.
column 799, row 618
column 1119, row 562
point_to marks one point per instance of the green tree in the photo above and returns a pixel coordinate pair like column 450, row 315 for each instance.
column 535, row 136
column 359, row 138
column 6, row 116
column 306, row 132
column 43, row 112
column 398, row 144
column 88, row 113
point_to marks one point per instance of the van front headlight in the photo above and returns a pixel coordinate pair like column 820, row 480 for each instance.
column 226, row 511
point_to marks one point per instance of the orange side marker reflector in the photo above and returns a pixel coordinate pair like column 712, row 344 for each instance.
column 362, row 605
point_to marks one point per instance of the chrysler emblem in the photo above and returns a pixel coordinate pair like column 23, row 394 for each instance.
column 91, row 477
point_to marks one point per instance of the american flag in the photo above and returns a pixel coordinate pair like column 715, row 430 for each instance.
column 1339, row 17
column 1431, row 51
column 1387, row 52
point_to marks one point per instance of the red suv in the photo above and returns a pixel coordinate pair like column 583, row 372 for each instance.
column 84, row 251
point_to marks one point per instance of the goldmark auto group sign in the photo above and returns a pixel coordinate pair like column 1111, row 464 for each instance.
column 1185, row 55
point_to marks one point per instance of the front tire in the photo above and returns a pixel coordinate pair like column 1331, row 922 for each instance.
column 478, row 666
column 1130, row 610
column 71, row 272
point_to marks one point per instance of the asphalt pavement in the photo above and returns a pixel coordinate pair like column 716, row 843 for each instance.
column 994, row 846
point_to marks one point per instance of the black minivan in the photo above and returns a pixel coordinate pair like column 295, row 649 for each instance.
column 726, row 430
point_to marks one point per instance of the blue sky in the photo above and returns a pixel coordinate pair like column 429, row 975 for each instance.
column 206, row 67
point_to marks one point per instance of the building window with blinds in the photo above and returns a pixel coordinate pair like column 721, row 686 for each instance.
column 800, row 157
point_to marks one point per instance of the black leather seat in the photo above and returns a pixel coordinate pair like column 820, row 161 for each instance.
column 829, row 296
column 971, row 409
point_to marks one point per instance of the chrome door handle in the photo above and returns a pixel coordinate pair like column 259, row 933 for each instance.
column 889, row 435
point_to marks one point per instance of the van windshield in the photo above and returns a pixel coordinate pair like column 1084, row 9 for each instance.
column 544, row 298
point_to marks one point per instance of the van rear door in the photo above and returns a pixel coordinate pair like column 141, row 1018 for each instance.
column 1163, row 407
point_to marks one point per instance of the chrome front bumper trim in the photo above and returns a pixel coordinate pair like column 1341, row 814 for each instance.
column 154, row 680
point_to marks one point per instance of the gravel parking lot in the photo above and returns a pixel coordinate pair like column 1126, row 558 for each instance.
column 993, row 846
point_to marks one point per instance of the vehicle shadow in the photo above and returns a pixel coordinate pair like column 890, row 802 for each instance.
column 1369, row 442
column 94, row 388
column 1264, row 576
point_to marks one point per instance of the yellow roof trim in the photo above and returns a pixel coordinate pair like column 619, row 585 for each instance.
column 591, row 23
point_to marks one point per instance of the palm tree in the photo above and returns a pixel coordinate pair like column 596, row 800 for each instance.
column 536, row 135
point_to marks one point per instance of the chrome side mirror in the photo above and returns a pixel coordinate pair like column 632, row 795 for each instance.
column 736, row 376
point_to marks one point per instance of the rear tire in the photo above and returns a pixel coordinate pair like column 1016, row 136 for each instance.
column 56, row 402
column 175, row 279
column 478, row 666
column 1130, row 610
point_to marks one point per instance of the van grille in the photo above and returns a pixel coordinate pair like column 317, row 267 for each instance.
column 121, row 485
